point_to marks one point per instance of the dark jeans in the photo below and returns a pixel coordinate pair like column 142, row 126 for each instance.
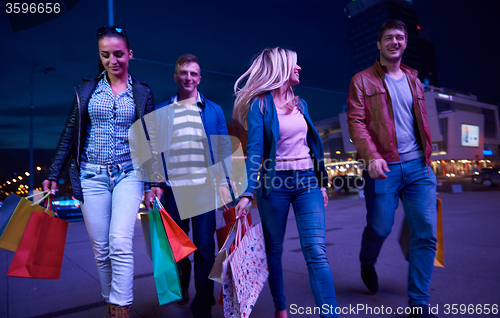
column 299, row 188
column 415, row 184
column 203, row 238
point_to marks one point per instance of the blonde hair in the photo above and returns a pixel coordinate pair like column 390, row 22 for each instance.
column 269, row 71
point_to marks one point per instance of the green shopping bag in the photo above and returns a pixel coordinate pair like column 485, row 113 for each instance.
column 167, row 282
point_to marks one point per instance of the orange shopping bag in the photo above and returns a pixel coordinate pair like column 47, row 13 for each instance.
column 180, row 243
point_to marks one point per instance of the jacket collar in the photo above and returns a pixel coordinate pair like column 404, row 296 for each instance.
column 201, row 101
column 411, row 73
column 139, row 91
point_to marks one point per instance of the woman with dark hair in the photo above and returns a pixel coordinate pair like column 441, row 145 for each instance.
column 285, row 150
column 95, row 142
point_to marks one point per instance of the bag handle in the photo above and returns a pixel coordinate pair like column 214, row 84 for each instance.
column 46, row 194
column 30, row 196
column 230, row 238
column 241, row 229
column 50, row 206
column 157, row 203
column 238, row 237
column 224, row 205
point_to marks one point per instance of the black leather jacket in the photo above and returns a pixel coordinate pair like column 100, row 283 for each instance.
column 72, row 140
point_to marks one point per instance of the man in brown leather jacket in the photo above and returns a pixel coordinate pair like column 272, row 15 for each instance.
column 388, row 125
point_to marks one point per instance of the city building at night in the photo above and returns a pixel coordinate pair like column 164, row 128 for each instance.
column 465, row 135
column 364, row 19
column 465, row 132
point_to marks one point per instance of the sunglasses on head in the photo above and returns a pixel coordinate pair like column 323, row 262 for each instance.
column 114, row 29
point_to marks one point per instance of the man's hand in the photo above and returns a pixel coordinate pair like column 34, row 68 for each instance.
column 150, row 196
column 224, row 194
column 240, row 209
column 325, row 196
column 49, row 185
column 376, row 169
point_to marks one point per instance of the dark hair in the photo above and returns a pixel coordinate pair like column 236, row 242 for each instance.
column 111, row 32
column 392, row 24
column 186, row 58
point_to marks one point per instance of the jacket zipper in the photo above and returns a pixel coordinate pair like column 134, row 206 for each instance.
column 79, row 127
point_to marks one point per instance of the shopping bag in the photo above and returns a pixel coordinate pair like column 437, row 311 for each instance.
column 146, row 231
column 165, row 273
column 179, row 241
column 229, row 215
column 248, row 268
column 8, row 206
column 225, row 242
column 225, row 250
column 41, row 250
column 404, row 237
column 229, row 298
column 439, row 260
column 13, row 232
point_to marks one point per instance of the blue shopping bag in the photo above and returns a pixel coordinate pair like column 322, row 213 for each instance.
column 8, row 207
column 165, row 272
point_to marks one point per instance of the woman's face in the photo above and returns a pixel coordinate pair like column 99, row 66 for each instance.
column 114, row 55
column 294, row 77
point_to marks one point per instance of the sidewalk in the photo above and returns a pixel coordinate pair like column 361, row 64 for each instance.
column 472, row 251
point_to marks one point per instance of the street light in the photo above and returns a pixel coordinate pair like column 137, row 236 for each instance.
column 34, row 69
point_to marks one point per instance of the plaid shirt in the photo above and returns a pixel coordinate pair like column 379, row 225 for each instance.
column 110, row 119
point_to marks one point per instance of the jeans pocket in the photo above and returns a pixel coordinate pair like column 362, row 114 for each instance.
column 86, row 174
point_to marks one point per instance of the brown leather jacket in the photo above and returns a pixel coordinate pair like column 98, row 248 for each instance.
column 371, row 118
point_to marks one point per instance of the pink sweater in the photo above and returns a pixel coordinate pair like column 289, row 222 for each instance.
column 292, row 152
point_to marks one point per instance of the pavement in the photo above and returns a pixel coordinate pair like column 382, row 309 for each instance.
column 469, row 282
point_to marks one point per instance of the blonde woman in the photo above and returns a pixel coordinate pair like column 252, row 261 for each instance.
column 285, row 146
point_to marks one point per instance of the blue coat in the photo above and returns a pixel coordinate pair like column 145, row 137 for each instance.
column 263, row 135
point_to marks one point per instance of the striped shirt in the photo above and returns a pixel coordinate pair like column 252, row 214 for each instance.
column 186, row 163
column 110, row 118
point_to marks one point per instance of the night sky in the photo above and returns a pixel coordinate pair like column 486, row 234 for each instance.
column 224, row 35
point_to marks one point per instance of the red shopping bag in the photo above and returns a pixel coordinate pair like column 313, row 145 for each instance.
column 41, row 250
column 180, row 243
column 229, row 215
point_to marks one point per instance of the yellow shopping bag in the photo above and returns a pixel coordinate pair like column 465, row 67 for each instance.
column 14, row 230
column 404, row 237
column 439, row 260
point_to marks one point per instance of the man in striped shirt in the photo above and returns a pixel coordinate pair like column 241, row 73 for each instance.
column 195, row 141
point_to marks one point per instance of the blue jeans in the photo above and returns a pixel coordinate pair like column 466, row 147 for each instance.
column 112, row 195
column 415, row 184
column 299, row 188
column 204, row 256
